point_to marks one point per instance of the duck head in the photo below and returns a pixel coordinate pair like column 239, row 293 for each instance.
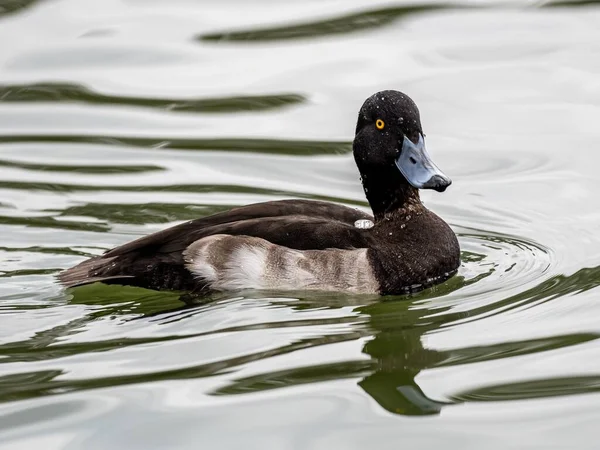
column 389, row 150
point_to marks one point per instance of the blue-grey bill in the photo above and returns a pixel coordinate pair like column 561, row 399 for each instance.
column 418, row 168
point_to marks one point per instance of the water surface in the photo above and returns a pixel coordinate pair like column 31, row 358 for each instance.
column 121, row 118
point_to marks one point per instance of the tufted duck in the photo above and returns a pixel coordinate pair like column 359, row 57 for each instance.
column 301, row 244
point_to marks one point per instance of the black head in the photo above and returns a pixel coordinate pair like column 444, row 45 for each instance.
column 389, row 150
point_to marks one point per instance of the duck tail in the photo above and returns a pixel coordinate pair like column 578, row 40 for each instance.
column 90, row 271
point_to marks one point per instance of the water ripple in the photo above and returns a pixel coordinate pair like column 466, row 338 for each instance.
column 73, row 93
column 350, row 23
column 13, row 6
column 277, row 146
column 532, row 389
column 204, row 107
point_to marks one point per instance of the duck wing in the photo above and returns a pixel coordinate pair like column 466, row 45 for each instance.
column 177, row 238
column 156, row 261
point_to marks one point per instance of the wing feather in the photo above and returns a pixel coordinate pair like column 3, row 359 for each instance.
column 156, row 261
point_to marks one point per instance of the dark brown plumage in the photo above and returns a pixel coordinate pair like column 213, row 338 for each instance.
column 408, row 248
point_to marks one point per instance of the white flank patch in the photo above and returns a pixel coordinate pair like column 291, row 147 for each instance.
column 245, row 269
column 196, row 262
column 226, row 262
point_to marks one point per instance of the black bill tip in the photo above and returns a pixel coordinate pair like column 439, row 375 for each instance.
column 438, row 183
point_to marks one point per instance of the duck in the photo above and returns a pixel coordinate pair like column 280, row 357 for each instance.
column 298, row 244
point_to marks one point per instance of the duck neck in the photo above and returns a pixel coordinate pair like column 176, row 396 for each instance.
column 389, row 194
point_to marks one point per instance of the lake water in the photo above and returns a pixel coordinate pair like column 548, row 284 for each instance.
column 122, row 117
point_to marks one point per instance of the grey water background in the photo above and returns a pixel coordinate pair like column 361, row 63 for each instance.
column 122, row 117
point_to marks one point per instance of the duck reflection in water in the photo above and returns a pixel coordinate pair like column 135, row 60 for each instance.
column 398, row 357
column 398, row 326
column 395, row 328
column 396, row 350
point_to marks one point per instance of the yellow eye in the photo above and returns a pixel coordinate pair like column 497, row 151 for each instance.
column 380, row 124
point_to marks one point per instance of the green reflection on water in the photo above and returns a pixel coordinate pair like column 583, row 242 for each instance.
column 72, row 93
column 143, row 213
column 95, row 169
column 398, row 356
column 276, row 146
column 395, row 327
column 12, row 6
column 571, row 3
column 356, row 22
column 350, row 23
column 53, row 222
column 532, row 389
